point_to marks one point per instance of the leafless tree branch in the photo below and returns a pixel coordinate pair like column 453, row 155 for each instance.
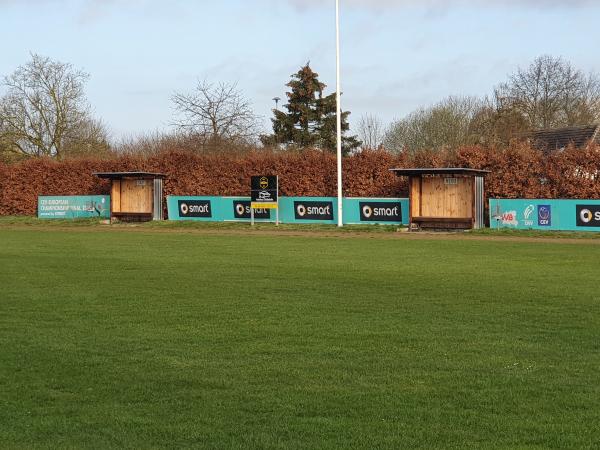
column 44, row 107
column 370, row 131
column 216, row 113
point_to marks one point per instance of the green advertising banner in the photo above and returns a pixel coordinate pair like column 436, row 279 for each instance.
column 74, row 207
column 392, row 211
column 369, row 210
column 545, row 214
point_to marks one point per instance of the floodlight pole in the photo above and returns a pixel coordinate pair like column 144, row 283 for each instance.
column 338, row 113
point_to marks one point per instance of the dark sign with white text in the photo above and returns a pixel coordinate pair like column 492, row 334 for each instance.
column 194, row 208
column 380, row 211
column 313, row 210
column 263, row 191
column 241, row 210
column 588, row 215
column 544, row 215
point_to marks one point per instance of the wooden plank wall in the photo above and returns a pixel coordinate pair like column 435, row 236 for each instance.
column 415, row 196
column 447, row 200
column 115, row 196
column 135, row 196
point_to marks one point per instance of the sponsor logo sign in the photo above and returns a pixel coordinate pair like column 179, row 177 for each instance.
column 194, row 208
column 241, row 210
column 544, row 213
column 588, row 215
column 71, row 207
column 264, row 191
column 380, row 211
column 509, row 218
column 313, row 210
column 527, row 212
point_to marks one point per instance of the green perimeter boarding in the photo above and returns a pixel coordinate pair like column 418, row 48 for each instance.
column 74, row 207
column 523, row 214
column 391, row 211
column 545, row 214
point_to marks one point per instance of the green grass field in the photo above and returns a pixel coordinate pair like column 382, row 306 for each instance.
column 174, row 338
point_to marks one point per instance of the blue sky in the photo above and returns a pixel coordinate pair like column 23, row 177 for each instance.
column 396, row 55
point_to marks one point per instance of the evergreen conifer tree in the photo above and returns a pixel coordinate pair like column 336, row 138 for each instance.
column 310, row 119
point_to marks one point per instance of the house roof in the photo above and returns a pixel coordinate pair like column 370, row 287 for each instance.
column 440, row 171
column 558, row 138
column 117, row 175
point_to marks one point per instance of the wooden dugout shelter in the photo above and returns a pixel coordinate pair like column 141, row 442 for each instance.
column 445, row 198
column 135, row 196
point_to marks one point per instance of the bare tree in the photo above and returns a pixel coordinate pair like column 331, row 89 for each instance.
column 216, row 113
column 494, row 125
column 146, row 144
column 370, row 131
column 44, row 107
column 551, row 93
column 6, row 155
column 443, row 125
column 91, row 139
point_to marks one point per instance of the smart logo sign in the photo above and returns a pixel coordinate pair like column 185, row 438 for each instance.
column 194, row 208
column 313, row 210
column 241, row 210
column 588, row 215
column 380, row 212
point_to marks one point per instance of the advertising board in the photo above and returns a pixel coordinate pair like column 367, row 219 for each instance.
column 74, row 207
column 291, row 210
column 385, row 211
column 264, row 191
column 241, row 210
column 545, row 214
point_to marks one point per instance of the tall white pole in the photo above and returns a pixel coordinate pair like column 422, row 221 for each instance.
column 338, row 112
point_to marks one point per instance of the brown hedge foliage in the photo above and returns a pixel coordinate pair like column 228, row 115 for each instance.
column 517, row 171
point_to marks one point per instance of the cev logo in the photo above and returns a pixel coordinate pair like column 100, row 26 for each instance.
column 544, row 215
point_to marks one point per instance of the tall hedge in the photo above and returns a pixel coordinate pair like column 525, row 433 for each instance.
column 517, row 171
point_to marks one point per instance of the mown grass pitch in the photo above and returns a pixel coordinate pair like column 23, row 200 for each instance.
column 150, row 338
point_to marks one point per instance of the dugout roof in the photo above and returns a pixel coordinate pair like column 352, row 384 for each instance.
column 118, row 175
column 439, row 171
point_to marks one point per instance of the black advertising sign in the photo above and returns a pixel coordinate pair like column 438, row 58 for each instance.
column 241, row 210
column 264, row 191
column 194, row 208
column 588, row 215
column 262, row 182
column 380, row 211
column 313, row 210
